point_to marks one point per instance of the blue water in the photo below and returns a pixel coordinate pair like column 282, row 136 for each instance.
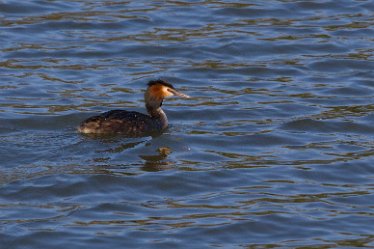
column 274, row 149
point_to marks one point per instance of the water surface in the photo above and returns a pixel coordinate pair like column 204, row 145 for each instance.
column 274, row 149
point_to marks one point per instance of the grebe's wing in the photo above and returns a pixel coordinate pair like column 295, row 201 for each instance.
column 123, row 114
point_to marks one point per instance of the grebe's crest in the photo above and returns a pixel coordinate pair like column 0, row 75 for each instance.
column 160, row 82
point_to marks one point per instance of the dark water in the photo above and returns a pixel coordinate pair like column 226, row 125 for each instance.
column 275, row 149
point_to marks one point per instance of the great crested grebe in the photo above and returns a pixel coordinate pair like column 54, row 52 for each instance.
column 134, row 123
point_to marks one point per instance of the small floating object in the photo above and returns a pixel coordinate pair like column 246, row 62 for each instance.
column 164, row 151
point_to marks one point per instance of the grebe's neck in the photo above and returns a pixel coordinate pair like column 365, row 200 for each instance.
column 158, row 114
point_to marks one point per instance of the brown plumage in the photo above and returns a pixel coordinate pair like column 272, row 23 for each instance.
column 132, row 123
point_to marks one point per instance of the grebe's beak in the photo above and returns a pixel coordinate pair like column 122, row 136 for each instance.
column 179, row 94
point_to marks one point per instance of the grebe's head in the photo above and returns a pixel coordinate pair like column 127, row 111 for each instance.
column 158, row 90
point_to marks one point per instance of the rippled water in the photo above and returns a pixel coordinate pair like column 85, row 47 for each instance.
column 275, row 149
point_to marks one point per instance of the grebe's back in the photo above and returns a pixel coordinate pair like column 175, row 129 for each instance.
column 120, row 121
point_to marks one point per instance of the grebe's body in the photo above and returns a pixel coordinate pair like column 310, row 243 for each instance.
column 132, row 123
